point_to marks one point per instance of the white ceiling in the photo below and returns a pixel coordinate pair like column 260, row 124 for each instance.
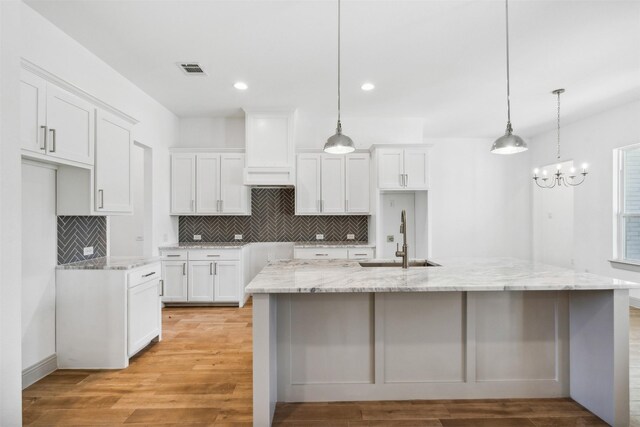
column 438, row 60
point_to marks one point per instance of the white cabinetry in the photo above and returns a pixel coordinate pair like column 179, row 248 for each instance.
column 103, row 317
column 113, row 164
column 332, row 185
column 208, row 184
column 403, row 168
column 270, row 147
column 203, row 276
column 55, row 122
column 334, row 253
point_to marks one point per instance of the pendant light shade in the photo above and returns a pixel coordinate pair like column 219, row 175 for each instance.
column 508, row 143
column 339, row 143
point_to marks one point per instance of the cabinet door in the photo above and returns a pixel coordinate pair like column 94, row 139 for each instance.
column 183, row 183
column 234, row 194
column 357, row 188
column 308, row 183
column 113, row 164
column 71, row 126
column 201, row 278
column 269, row 139
column 208, row 183
column 227, row 284
column 33, row 98
column 416, row 168
column 390, row 168
column 174, row 276
column 333, row 184
column 143, row 316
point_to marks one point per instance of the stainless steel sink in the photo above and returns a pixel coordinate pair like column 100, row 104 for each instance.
column 399, row 264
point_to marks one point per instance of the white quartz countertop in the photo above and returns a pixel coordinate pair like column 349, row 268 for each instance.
column 110, row 263
column 453, row 274
column 204, row 245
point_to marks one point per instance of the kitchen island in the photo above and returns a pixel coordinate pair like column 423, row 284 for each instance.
column 335, row 330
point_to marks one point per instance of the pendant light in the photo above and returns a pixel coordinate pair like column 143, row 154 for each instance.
column 508, row 143
column 559, row 179
column 339, row 143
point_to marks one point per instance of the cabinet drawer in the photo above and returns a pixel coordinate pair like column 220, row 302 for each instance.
column 214, row 254
column 174, row 255
column 320, row 253
column 360, row 253
column 145, row 274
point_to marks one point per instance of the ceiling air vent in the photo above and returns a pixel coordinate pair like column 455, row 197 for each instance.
column 192, row 68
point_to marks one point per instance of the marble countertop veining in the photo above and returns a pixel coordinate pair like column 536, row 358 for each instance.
column 109, row 263
column 204, row 245
column 453, row 274
column 327, row 244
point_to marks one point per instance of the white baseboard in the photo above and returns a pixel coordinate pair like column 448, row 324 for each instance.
column 634, row 302
column 38, row 371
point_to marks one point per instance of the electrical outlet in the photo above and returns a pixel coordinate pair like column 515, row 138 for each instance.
column 351, row 236
column 238, row 236
column 319, row 236
column 197, row 237
column 88, row 250
column 390, row 238
column 139, row 239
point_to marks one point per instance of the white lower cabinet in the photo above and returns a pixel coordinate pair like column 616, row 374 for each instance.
column 334, row 253
column 174, row 274
column 203, row 276
column 144, row 314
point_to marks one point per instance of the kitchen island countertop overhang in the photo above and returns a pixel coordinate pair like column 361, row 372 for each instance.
column 451, row 274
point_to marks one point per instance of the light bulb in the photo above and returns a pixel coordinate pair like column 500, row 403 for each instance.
column 573, row 170
column 558, row 166
column 544, row 172
column 585, row 166
column 536, row 171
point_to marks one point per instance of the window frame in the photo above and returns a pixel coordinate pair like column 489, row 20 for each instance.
column 620, row 252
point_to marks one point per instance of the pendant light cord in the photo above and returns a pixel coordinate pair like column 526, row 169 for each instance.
column 339, row 124
column 558, row 92
column 506, row 7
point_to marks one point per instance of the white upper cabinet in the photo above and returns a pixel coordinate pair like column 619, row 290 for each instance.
column 183, row 183
column 357, row 187
column 70, row 126
column 209, row 184
column 234, row 195
column 329, row 184
column 308, row 184
column 403, row 168
column 113, row 164
column 55, row 122
column 270, row 147
column 333, row 184
column 33, row 112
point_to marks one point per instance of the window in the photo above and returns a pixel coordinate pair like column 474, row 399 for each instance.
column 629, row 204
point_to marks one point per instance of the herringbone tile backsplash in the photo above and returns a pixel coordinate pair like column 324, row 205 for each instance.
column 272, row 220
column 77, row 232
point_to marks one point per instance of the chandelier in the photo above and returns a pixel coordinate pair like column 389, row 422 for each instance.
column 572, row 178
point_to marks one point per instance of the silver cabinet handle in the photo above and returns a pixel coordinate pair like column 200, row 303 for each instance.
column 360, row 254
column 406, row 179
column 215, row 269
column 101, row 197
column 173, row 255
column 53, row 141
column 149, row 274
column 401, row 180
column 322, row 254
column 212, row 255
column 44, row 138
column 184, row 268
column 161, row 287
column 210, row 269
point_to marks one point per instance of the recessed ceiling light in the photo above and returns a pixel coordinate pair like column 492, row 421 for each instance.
column 367, row 87
column 241, row 85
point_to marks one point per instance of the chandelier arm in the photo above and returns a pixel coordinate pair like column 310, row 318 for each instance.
column 575, row 184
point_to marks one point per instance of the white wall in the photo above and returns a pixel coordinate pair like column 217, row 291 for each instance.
column 480, row 203
column 50, row 48
column 10, row 219
column 593, row 140
column 203, row 132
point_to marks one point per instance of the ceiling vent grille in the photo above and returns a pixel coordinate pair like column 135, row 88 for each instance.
column 192, row 68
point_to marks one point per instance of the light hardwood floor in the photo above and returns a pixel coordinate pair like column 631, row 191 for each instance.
column 200, row 374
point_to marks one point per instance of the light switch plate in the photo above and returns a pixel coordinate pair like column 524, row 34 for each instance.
column 140, row 239
column 319, row 236
column 238, row 236
column 390, row 238
column 88, row 250
column 197, row 237
column 351, row 236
